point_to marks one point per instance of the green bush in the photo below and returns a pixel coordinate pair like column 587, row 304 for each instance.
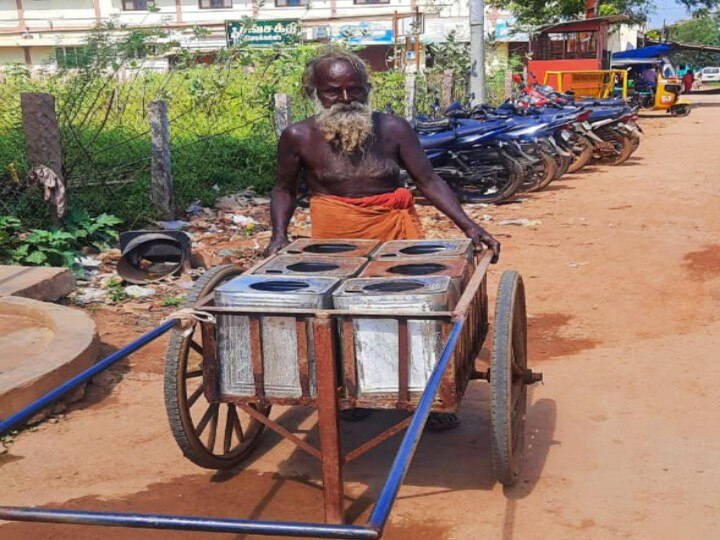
column 222, row 135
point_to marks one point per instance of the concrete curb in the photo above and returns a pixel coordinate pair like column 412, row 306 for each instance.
column 73, row 348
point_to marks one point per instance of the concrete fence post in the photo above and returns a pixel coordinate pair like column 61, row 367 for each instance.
column 43, row 148
column 161, row 186
column 409, row 95
column 446, row 86
column 282, row 113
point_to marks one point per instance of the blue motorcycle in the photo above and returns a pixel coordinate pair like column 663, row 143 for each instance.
column 471, row 157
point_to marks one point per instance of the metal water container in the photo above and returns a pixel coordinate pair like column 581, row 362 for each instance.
column 342, row 247
column 313, row 265
column 409, row 249
column 376, row 340
column 278, row 334
column 458, row 270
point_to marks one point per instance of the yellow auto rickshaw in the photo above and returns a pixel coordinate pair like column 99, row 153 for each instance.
column 664, row 94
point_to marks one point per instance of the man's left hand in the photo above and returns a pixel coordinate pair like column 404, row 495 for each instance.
column 481, row 238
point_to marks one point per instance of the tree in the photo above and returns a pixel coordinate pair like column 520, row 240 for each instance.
column 703, row 30
column 541, row 12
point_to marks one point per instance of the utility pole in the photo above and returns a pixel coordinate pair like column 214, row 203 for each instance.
column 477, row 51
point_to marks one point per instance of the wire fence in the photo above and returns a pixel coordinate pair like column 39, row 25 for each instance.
column 222, row 137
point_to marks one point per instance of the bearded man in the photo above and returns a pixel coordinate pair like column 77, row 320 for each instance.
column 352, row 158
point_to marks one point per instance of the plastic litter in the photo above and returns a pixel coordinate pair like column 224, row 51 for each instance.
column 176, row 225
column 521, row 222
column 135, row 291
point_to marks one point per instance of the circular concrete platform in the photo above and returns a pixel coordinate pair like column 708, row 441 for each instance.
column 41, row 346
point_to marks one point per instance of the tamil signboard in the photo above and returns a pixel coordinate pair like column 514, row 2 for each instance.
column 262, row 33
column 363, row 33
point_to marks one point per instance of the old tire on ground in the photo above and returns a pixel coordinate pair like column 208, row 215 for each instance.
column 508, row 389
column 211, row 435
column 584, row 156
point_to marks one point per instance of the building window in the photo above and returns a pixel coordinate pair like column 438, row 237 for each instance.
column 291, row 3
column 215, row 4
column 369, row 2
column 135, row 5
column 72, row 57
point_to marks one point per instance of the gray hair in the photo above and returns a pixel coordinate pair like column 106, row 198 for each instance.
column 327, row 56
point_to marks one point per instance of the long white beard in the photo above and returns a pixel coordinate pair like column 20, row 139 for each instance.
column 346, row 126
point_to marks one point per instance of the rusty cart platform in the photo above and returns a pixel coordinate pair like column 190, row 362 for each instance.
column 218, row 432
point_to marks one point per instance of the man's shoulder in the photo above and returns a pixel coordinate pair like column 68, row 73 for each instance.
column 392, row 123
column 299, row 131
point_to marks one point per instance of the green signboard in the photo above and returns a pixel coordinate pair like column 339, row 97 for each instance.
column 263, row 33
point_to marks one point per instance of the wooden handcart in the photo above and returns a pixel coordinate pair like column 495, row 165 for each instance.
column 219, row 432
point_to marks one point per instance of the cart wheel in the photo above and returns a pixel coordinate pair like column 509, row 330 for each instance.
column 508, row 385
column 211, row 435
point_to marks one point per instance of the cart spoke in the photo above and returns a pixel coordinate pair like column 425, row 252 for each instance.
column 238, row 427
column 213, row 429
column 194, row 396
column 195, row 346
column 209, row 413
column 193, row 374
column 229, row 426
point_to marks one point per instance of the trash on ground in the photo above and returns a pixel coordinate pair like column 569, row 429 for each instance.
column 90, row 263
column 90, row 296
column 522, row 222
column 135, row 291
column 175, row 225
column 149, row 256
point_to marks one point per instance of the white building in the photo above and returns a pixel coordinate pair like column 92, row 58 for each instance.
column 34, row 32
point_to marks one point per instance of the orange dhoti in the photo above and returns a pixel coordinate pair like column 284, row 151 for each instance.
column 389, row 216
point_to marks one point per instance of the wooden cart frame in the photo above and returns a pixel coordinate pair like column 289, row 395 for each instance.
column 463, row 329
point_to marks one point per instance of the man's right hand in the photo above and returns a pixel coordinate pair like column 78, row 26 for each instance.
column 275, row 245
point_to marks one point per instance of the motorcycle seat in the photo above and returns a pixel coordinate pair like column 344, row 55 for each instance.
column 432, row 140
column 476, row 127
column 604, row 114
column 432, row 126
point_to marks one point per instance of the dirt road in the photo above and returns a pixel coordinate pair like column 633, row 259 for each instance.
column 624, row 287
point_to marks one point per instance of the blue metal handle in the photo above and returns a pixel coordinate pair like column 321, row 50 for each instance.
column 401, row 465
column 187, row 523
column 14, row 420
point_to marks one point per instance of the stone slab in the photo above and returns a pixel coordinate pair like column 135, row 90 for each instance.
column 42, row 345
column 38, row 283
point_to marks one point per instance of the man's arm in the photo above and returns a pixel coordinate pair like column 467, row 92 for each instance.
column 435, row 189
column 282, row 200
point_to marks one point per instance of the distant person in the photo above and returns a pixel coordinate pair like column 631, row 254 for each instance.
column 688, row 81
column 650, row 77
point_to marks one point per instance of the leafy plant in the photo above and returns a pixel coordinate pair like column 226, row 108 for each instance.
column 98, row 232
column 116, row 291
column 171, row 301
column 40, row 247
column 45, row 248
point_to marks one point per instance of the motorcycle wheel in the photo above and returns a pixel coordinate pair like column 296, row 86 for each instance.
column 680, row 110
column 471, row 192
column 623, row 148
column 583, row 158
column 549, row 172
column 635, row 140
column 565, row 162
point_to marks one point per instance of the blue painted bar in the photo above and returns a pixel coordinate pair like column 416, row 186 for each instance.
column 186, row 523
column 401, row 464
column 16, row 419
